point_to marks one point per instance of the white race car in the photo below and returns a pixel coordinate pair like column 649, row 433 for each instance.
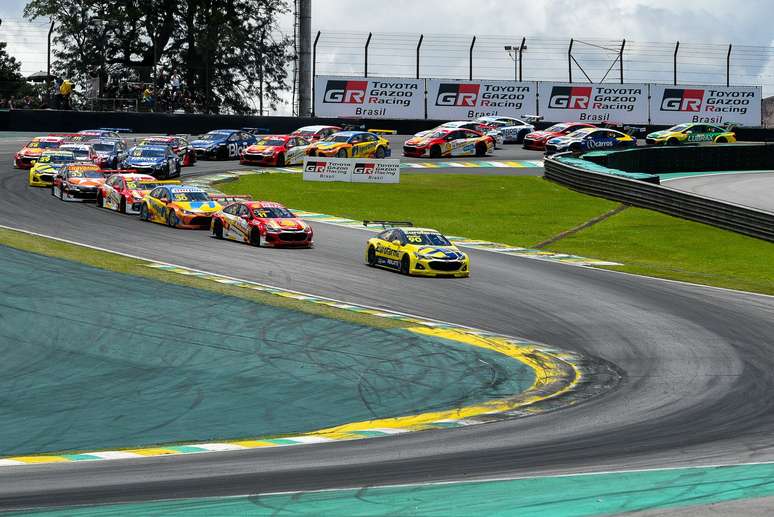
column 513, row 130
column 481, row 127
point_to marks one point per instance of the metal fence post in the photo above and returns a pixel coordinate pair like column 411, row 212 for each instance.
column 314, row 67
column 419, row 45
column 470, row 59
column 521, row 53
column 368, row 42
column 569, row 60
column 674, row 63
column 728, row 66
column 620, row 59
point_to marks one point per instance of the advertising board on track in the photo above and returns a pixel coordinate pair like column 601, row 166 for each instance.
column 352, row 170
column 383, row 97
column 593, row 103
column 450, row 99
column 705, row 104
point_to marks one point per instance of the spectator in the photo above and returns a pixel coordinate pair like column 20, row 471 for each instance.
column 65, row 90
column 148, row 99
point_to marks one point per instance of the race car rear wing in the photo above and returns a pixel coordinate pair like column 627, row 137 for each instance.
column 629, row 130
column 256, row 130
column 532, row 118
column 229, row 198
column 388, row 224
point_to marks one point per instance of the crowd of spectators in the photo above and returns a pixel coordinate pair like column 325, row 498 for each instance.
column 168, row 93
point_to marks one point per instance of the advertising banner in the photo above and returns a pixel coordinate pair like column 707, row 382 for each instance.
column 450, row 99
column 671, row 105
column 381, row 97
column 593, row 103
column 353, row 170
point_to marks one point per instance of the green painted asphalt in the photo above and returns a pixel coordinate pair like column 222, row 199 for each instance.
column 94, row 359
column 570, row 496
column 688, row 174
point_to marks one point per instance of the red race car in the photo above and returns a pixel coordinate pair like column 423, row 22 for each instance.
column 123, row 192
column 314, row 133
column 32, row 151
column 178, row 144
column 78, row 182
column 536, row 140
column 262, row 223
column 277, row 150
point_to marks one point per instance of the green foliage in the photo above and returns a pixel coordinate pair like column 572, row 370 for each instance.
column 226, row 51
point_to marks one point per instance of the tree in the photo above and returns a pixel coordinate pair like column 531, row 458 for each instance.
column 227, row 51
column 12, row 83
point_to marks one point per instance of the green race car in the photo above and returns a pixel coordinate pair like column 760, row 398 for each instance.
column 692, row 133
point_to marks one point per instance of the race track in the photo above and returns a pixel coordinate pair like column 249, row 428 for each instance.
column 749, row 189
column 697, row 364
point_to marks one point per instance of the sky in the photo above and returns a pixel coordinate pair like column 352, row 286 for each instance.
column 692, row 22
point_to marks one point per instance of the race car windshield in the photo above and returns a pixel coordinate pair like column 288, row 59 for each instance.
column 437, row 134
column 431, row 239
column 582, row 132
column 272, row 142
column 56, row 158
column 274, row 212
column 83, row 153
column 104, row 147
column 214, row 136
column 681, row 127
column 190, row 196
column 557, row 128
column 305, row 133
column 337, row 138
column 148, row 153
column 133, row 185
column 85, row 174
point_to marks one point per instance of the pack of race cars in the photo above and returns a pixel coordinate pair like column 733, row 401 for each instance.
column 98, row 166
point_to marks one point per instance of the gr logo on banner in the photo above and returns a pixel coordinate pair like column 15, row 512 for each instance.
column 457, row 94
column 345, row 92
column 679, row 99
column 364, row 168
column 316, row 167
column 570, row 97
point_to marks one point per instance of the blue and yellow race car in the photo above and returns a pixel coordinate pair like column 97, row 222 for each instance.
column 351, row 144
column 179, row 207
column 416, row 251
column 47, row 166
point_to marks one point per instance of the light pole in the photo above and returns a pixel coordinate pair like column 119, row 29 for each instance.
column 101, row 25
column 516, row 53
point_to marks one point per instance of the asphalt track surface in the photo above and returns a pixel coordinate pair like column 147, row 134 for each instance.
column 749, row 189
column 697, row 363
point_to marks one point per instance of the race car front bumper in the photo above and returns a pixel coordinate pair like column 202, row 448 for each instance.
column 414, row 152
column 194, row 222
column 41, row 180
column 81, row 194
column 24, row 162
column 440, row 268
column 258, row 159
column 534, row 144
column 289, row 239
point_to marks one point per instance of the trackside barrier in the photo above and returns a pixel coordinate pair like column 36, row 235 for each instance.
column 351, row 170
column 728, row 216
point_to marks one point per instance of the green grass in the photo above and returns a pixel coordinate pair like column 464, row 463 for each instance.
column 524, row 211
column 513, row 209
column 654, row 244
column 127, row 265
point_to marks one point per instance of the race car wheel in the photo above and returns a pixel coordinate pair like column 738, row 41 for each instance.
column 280, row 160
column 342, row 153
column 480, row 150
column 217, row 229
column 673, row 141
column 435, row 151
column 100, row 201
column 721, row 140
column 405, row 265
column 172, row 219
column 255, row 237
column 371, row 256
column 380, row 152
column 122, row 206
column 144, row 212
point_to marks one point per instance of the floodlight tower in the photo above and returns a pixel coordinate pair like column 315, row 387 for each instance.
column 304, row 24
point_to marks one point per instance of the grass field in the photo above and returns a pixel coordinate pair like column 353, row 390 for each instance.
column 122, row 264
column 525, row 211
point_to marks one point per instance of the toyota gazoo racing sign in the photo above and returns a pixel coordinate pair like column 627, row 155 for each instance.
column 354, row 170
column 671, row 105
column 593, row 103
column 327, row 169
column 463, row 100
column 382, row 97
column 375, row 171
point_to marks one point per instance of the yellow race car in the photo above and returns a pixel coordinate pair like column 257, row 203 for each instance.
column 692, row 133
column 351, row 144
column 416, row 251
column 47, row 166
column 179, row 207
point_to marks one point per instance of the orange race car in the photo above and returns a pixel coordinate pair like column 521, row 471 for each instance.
column 32, row 151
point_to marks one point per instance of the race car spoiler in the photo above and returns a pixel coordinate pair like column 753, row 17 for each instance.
column 384, row 131
column 256, row 130
column 629, row 130
column 532, row 118
column 116, row 129
column 388, row 224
